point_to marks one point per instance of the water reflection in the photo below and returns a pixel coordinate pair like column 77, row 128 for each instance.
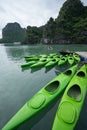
column 18, row 52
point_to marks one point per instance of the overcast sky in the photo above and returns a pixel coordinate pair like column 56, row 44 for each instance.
column 29, row 12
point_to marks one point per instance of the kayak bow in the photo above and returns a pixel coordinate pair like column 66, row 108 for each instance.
column 70, row 59
column 76, row 57
column 62, row 60
column 28, row 64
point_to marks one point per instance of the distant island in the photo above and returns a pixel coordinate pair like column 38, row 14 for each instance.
column 70, row 27
column 13, row 32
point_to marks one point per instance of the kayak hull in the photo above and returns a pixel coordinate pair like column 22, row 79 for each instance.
column 40, row 100
column 28, row 64
column 71, row 103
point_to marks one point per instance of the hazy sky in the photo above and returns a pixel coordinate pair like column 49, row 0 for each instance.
column 29, row 12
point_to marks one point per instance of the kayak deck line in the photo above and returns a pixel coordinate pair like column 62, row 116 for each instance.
column 42, row 98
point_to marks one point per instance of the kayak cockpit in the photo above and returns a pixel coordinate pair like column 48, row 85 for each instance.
column 81, row 74
column 68, row 72
column 52, row 87
column 54, row 60
column 75, row 92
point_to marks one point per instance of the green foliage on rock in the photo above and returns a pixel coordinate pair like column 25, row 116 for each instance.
column 73, row 20
column 70, row 10
column 69, row 27
column 34, row 34
column 13, row 32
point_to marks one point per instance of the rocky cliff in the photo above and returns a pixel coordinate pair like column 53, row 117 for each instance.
column 69, row 27
column 13, row 32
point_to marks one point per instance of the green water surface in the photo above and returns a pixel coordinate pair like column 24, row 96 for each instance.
column 17, row 85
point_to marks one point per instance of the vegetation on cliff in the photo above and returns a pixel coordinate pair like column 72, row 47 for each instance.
column 69, row 27
column 34, row 34
column 72, row 20
column 13, row 32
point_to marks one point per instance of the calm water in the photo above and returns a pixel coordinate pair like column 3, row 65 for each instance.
column 17, row 85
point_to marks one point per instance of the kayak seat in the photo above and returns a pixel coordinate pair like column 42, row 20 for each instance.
column 75, row 92
column 81, row 74
column 52, row 87
column 68, row 72
column 67, row 112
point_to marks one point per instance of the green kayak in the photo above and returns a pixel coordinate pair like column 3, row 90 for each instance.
column 48, row 55
column 76, row 57
column 43, row 56
column 52, row 62
column 52, row 57
column 32, row 59
column 70, row 59
column 62, row 60
column 28, row 64
column 72, row 101
column 36, row 58
column 41, row 62
column 57, row 56
column 52, row 54
column 41, row 99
